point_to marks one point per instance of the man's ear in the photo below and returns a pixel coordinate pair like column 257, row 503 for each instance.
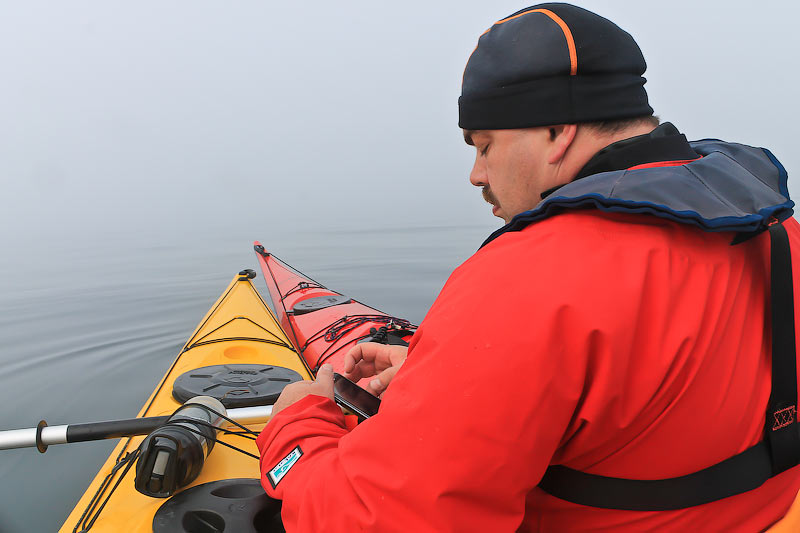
column 561, row 138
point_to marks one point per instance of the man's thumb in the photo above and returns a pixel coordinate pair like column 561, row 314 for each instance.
column 382, row 380
column 325, row 379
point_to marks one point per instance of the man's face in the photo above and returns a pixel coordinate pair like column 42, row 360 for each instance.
column 512, row 168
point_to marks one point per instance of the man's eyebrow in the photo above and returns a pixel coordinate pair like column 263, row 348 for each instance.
column 468, row 137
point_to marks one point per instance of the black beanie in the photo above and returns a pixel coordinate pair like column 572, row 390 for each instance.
column 552, row 64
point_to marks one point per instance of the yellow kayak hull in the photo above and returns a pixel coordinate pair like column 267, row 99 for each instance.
column 238, row 329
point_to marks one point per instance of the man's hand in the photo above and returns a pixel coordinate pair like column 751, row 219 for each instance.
column 373, row 359
column 298, row 390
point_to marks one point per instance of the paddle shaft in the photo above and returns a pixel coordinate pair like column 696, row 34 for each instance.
column 113, row 429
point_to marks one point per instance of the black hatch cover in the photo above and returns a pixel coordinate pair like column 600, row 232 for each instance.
column 235, row 385
column 320, row 302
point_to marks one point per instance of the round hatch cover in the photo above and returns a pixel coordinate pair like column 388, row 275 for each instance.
column 320, row 302
column 235, row 385
column 235, row 505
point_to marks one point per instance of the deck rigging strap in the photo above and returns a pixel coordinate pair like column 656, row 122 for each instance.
column 777, row 452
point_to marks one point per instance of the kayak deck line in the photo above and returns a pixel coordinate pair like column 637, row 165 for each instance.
column 276, row 340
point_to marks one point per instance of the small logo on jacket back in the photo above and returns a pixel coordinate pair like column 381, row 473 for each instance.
column 276, row 474
column 784, row 417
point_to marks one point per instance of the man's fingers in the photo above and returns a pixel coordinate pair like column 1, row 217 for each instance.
column 290, row 394
column 354, row 375
column 372, row 359
column 294, row 392
column 382, row 380
column 359, row 361
column 353, row 361
column 362, row 369
column 351, row 358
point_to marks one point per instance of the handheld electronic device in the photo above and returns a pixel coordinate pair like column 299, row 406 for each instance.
column 352, row 397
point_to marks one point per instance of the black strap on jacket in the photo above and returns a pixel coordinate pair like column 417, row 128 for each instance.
column 779, row 451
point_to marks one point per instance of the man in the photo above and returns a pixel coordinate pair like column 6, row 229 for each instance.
column 617, row 327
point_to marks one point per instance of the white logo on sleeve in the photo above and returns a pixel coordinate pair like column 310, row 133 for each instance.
column 276, row 474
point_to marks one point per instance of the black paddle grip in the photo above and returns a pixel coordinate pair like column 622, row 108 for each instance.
column 114, row 429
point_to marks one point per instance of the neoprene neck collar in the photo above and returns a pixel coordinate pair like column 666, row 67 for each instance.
column 664, row 143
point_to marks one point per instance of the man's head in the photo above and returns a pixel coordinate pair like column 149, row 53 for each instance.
column 544, row 90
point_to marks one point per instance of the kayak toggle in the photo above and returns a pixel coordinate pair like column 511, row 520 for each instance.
column 173, row 455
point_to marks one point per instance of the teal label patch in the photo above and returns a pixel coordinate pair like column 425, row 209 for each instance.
column 276, row 474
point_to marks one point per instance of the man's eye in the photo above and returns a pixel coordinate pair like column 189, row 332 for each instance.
column 484, row 150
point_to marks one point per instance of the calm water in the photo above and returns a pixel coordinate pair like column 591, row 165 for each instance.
column 88, row 327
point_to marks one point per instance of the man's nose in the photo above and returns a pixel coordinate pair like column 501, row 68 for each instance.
column 478, row 175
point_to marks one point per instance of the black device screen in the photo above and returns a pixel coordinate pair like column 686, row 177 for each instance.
column 349, row 395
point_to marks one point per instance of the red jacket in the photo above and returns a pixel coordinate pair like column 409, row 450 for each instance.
column 617, row 344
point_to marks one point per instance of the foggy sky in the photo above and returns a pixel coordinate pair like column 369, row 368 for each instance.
column 182, row 117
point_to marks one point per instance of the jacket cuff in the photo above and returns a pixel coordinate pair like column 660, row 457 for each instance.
column 294, row 435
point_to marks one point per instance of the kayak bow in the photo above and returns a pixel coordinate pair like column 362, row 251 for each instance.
column 239, row 355
column 323, row 324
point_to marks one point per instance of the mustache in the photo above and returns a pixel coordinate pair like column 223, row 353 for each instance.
column 488, row 196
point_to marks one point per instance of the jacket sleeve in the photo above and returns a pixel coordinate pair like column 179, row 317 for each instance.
column 464, row 433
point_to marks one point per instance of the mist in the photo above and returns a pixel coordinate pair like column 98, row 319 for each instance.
column 175, row 120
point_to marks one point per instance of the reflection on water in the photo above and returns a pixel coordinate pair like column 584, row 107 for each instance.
column 88, row 329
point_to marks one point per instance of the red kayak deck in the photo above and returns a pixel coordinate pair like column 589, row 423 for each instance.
column 323, row 324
